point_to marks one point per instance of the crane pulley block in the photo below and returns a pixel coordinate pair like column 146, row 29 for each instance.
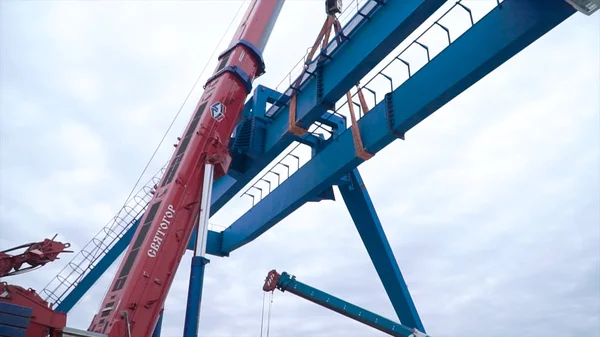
column 333, row 7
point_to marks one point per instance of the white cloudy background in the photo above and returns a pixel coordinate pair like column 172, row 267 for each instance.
column 492, row 205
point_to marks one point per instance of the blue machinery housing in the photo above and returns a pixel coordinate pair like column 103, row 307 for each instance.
column 372, row 34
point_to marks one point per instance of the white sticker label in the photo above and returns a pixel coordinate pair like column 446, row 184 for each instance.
column 160, row 233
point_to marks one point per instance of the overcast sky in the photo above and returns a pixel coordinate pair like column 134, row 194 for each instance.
column 491, row 205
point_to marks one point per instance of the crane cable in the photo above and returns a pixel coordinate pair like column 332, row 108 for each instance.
column 262, row 318
column 185, row 101
column 269, row 315
column 262, row 315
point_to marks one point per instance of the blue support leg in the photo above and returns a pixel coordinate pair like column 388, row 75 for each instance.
column 192, row 314
column 158, row 326
column 369, row 227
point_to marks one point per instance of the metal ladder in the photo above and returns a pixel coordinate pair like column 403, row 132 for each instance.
column 84, row 261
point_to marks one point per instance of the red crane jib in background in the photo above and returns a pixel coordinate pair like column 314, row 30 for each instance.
column 36, row 254
column 138, row 292
column 44, row 321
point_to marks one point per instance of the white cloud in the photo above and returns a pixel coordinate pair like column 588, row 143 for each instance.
column 491, row 205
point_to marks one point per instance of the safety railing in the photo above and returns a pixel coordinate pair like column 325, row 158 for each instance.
column 452, row 21
column 353, row 15
column 351, row 9
column 436, row 37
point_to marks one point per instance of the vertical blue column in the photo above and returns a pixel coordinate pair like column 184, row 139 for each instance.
column 367, row 223
column 192, row 314
column 158, row 326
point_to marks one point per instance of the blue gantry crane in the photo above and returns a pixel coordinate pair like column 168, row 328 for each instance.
column 310, row 112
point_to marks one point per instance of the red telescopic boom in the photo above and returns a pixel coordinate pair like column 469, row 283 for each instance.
column 137, row 294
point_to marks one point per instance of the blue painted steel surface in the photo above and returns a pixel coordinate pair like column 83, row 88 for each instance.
column 290, row 284
column 504, row 32
column 158, row 327
column 15, row 321
column 500, row 35
column 192, row 314
column 369, row 227
column 278, row 204
column 227, row 186
column 14, row 309
column 11, row 331
column 383, row 31
column 369, row 45
column 352, row 60
column 213, row 243
column 262, row 96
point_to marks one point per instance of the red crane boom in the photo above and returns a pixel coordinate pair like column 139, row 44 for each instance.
column 136, row 296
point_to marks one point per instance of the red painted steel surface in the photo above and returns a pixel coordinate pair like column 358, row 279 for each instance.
column 141, row 284
column 271, row 280
column 36, row 254
column 44, row 321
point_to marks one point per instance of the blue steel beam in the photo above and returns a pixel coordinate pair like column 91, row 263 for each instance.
column 500, row 35
column 371, row 232
column 213, row 243
column 368, row 44
column 290, row 284
column 226, row 187
column 262, row 96
column 497, row 37
column 377, row 36
column 278, row 204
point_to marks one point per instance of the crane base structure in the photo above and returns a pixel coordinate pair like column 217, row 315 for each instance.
column 230, row 140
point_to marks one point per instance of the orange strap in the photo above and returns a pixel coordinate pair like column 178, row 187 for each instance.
column 322, row 38
column 358, row 144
